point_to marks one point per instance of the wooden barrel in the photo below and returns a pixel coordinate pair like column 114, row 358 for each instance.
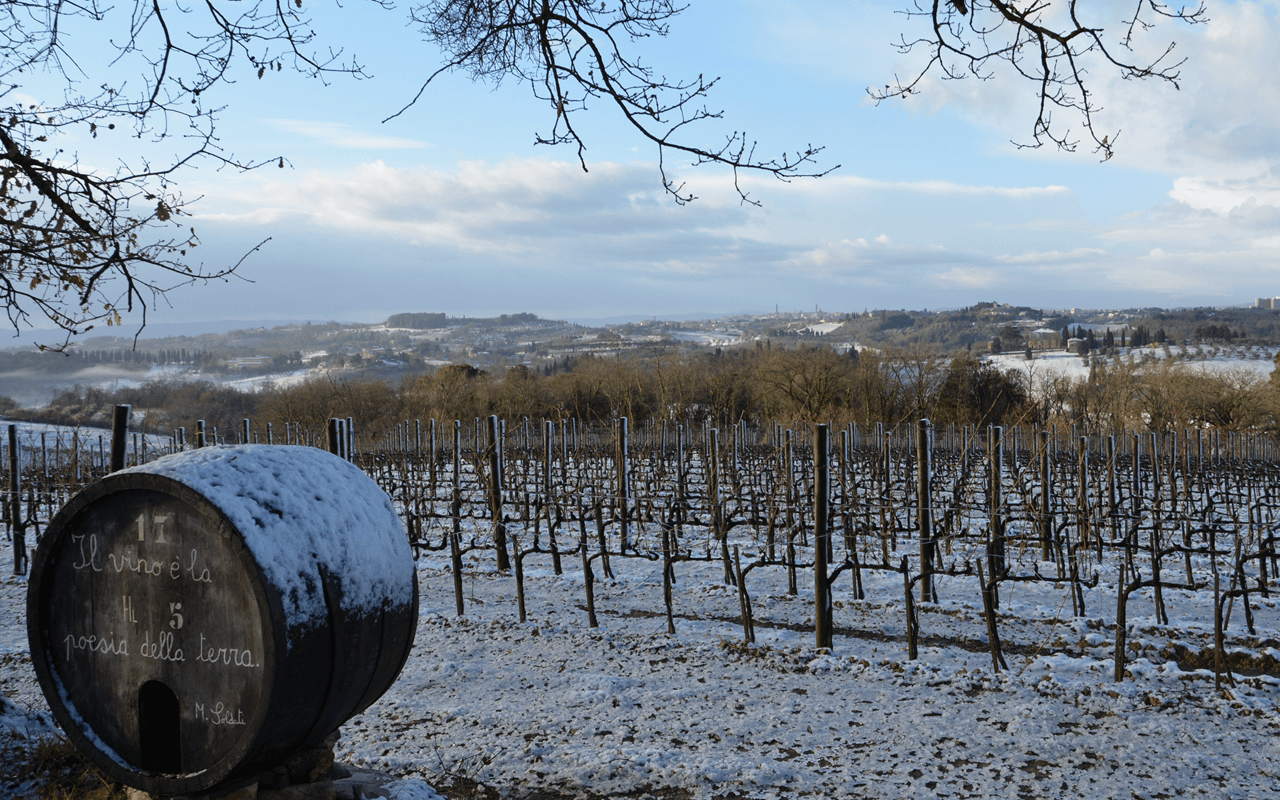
column 197, row 620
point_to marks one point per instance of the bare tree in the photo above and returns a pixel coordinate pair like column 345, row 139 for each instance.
column 1054, row 48
column 806, row 383
column 79, row 244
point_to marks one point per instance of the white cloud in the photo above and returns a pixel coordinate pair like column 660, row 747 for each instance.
column 518, row 209
column 338, row 134
column 878, row 260
column 612, row 232
column 971, row 277
column 1224, row 195
column 1054, row 257
column 845, row 183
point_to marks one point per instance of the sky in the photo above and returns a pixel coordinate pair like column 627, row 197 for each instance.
column 451, row 207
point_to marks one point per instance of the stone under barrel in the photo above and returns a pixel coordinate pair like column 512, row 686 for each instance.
column 196, row 620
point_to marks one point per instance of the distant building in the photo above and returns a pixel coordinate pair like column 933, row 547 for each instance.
column 1272, row 303
column 1045, row 338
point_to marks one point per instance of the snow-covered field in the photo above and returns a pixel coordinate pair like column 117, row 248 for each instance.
column 50, row 444
column 276, row 380
column 1255, row 361
column 32, row 390
column 33, row 435
column 551, row 705
column 715, row 338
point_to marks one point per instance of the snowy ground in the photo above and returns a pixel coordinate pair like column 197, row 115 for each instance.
column 551, row 705
column 276, row 380
column 716, row 338
column 1256, row 361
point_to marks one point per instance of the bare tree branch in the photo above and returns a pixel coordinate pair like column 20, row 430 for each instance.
column 79, row 246
column 1053, row 49
column 572, row 52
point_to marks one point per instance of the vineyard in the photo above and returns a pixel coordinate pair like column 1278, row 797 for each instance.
column 1066, row 563
column 1192, row 512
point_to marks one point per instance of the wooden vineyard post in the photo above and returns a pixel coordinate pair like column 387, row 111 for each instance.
column 119, row 436
column 789, row 471
column 996, row 553
column 548, row 448
column 1047, row 549
column 891, row 437
column 1157, row 532
column 495, row 495
column 15, row 506
column 713, row 503
column 548, row 444
column 734, row 464
column 821, row 588
column 564, row 452
column 624, row 476
column 455, row 511
column 1111, row 491
column 1135, row 497
column 1083, row 513
column 1181, row 517
column 1121, row 624
column 925, row 513
column 886, row 493
column 845, row 501
column 455, row 502
column 433, row 456
column 681, row 481
column 334, row 432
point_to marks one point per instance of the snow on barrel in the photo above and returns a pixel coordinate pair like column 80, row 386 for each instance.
column 196, row 620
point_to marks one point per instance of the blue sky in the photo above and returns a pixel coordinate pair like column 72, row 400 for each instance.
column 450, row 207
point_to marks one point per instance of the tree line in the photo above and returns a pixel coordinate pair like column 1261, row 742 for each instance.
column 809, row 383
